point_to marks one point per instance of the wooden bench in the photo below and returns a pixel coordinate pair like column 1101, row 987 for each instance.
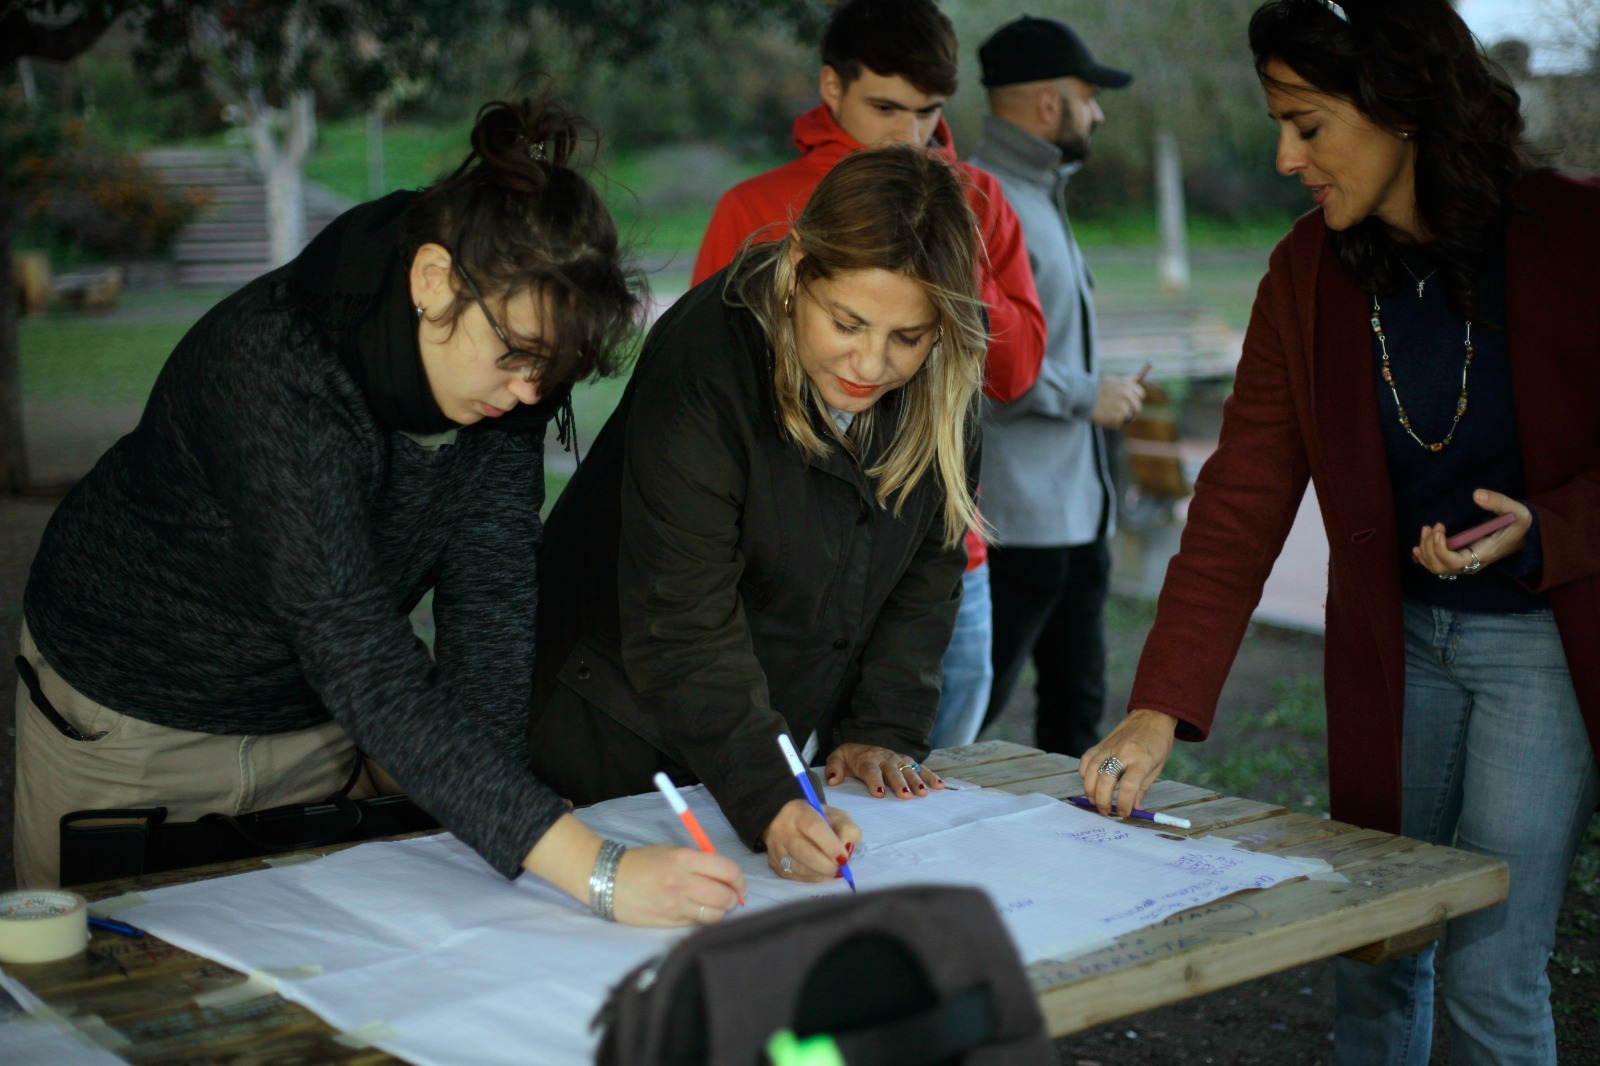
column 92, row 290
column 1178, row 342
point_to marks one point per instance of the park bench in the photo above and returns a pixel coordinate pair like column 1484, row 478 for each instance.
column 1188, row 345
column 93, row 290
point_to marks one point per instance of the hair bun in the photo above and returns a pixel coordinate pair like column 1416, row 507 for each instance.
column 516, row 140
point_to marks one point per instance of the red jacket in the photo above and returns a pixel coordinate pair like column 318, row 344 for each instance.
column 770, row 201
column 1305, row 405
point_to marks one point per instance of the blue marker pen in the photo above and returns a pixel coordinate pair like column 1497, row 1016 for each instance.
column 787, row 746
column 114, row 926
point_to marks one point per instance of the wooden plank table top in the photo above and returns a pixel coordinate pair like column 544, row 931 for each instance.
column 155, row 1003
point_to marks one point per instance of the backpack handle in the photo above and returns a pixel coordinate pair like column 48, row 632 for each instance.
column 964, row 1021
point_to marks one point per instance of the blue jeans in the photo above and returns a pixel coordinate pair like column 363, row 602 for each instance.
column 1496, row 761
column 968, row 671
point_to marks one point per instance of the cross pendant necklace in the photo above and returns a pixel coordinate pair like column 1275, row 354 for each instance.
column 1420, row 281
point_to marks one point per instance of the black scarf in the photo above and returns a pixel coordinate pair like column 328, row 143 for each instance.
column 353, row 280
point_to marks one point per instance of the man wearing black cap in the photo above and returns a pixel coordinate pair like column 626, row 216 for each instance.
column 1046, row 487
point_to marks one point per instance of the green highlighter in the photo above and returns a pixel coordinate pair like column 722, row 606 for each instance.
column 785, row 1049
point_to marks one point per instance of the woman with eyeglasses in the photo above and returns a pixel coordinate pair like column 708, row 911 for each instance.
column 218, row 614
column 1423, row 348
column 767, row 535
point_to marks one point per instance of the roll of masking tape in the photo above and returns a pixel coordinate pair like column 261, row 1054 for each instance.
column 42, row 925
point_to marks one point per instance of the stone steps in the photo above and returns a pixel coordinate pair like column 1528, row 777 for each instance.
column 229, row 243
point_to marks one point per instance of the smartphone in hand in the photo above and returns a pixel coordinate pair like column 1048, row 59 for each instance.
column 1478, row 532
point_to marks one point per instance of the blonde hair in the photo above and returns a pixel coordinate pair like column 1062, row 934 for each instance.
column 904, row 210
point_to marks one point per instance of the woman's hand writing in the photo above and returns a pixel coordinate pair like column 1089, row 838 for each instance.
column 659, row 885
column 803, row 847
column 663, row 885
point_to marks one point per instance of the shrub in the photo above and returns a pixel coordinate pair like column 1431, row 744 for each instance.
column 83, row 193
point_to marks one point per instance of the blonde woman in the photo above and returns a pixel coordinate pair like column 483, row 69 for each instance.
column 767, row 535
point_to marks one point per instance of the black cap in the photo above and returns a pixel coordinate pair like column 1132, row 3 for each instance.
column 1040, row 49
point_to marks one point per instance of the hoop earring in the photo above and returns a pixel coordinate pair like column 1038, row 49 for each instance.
column 788, row 305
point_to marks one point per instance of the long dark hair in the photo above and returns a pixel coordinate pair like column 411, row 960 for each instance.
column 517, row 214
column 1411, row 65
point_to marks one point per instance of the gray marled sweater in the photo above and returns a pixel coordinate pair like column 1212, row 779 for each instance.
column 244, row 562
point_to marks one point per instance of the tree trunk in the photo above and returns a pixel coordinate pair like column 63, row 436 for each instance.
column 30, row 88
column 376, row 186
column 281, row 166
column 1169, row 191
column 13, row 449
column 286, row 215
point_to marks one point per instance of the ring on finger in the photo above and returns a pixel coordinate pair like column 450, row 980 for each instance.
column 916, row 766
column 1474, row 566
column 1112, row 766
column 700, row 915
column 786, row 864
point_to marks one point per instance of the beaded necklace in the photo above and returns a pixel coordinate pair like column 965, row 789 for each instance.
column 1388, row 379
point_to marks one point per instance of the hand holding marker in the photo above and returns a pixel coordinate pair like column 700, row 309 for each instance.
column 799, row 770
column 1149, row 816
column 675, row 800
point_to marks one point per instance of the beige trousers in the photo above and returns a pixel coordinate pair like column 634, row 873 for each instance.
column 138, row 764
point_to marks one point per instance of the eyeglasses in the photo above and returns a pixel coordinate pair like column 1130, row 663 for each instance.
column 517, row 360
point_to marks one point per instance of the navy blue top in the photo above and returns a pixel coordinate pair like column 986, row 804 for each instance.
column 1426, row 352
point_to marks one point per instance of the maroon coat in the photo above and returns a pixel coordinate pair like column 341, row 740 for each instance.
column 1305, row 404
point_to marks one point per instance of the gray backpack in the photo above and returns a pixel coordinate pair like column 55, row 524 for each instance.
column 912, row 976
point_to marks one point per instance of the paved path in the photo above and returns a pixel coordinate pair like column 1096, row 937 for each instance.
column 1296, row 590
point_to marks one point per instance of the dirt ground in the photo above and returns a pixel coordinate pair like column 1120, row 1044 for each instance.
column 1281, row 1020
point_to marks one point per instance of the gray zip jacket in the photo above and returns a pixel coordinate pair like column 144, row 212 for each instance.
column 1045, row 480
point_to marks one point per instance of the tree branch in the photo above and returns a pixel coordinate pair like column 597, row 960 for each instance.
column 29, row 30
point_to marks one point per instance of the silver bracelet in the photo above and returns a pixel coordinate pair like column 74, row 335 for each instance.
column 603, row 880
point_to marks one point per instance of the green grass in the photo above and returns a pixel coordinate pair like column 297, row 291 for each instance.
column 107, row 358
column 413, row 155
column 1278, row 757
column 1586, row 869
column 1141, row 229
column 1228, row 285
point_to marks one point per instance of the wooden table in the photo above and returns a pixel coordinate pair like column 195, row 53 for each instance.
column 175, row 1007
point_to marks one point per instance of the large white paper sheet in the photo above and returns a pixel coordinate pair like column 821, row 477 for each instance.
column 419, row 940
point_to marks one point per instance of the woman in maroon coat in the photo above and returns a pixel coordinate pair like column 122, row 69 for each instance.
column 1426, row 348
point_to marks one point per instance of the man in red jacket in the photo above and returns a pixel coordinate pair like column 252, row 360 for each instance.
column 887, row 68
